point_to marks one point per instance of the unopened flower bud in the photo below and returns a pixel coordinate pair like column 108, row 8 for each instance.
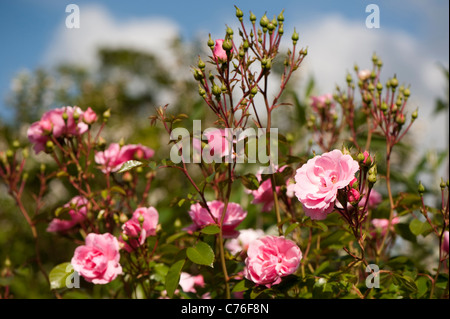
column 124, row 237
column 65, row 116
column 141, row 219
column 400, row 119
column 349, row 78
column 379, row 87
column 49, row 147
column 239, row 13
column 252, row 17
column 25, row 153
column 245, row 45
column 372, row 179
column 295, row 37
column 9, row 154
column 421, row 189
column 394, row 82
column 198, row 74
column 414, row 115
column 216, row 90
column 210, row 42
column 353, row 196
column 280, row 17
column 106, row 115
column 42, row 168
column 201, row 64
column 254, row 90
column 383, row 106
column 442, row 184
column 227, row 45
column 89, row 116
column 201, row 91
column 76, row 116
column 406, row 93
column 373, row 170
column 264, row 21
column 229, row 31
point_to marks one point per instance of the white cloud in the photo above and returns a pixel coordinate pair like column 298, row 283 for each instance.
column 99, row 29
column 336, row 44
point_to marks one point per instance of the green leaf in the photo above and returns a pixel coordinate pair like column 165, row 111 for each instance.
column 322, row 267
column 250, row 181
column 201, row 254
column 242, row 285
column 419, row 228
column 403, row 230
column 173, row 277
column 129, row 165
column 405, row 282
column 118, row 189
column 422, row 286
column 59, row 274
column 210, row 230
column 291, row 228
column 210, row 178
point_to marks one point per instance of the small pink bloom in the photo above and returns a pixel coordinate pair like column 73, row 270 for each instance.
column 353, row 195
column 364, row 74
column 218, row 52
column 98, row 260
column 77, row 214
column 381, row 225
column 46, row 126
column 374, row 199
column 201, row 218
column 141, row 225
column 52, row 121
column 240, row 244
column 264, row 194
column 320, row 102
column 114, row 156
column 317, row 182
column 188, row 282
column 89, row 116
column 445, row 242
column 270, row 258
column 219, row 142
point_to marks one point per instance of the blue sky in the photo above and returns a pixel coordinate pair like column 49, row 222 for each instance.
column 413, row 35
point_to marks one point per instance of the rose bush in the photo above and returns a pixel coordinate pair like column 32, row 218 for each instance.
column 326, row 199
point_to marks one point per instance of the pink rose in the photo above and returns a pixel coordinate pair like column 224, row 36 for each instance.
column 188, row 282
column 445, row 242
column 98, row 260
column 381, row 225
column 270, row 258
column 201, row 218
column 264, row 194
column 141, row 225
column 89, row 116
column 364, row 74
column 218, row 52
column 219, row 142
column 318, row 181
column 77, row 214
column 114, row 156
column 320, row 102
column 374, row 199
column 240, row 244
column 52, row 122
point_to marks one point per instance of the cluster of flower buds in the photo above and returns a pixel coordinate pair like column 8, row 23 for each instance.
column 385, row 103
column 231, row 60
column 323, row 121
